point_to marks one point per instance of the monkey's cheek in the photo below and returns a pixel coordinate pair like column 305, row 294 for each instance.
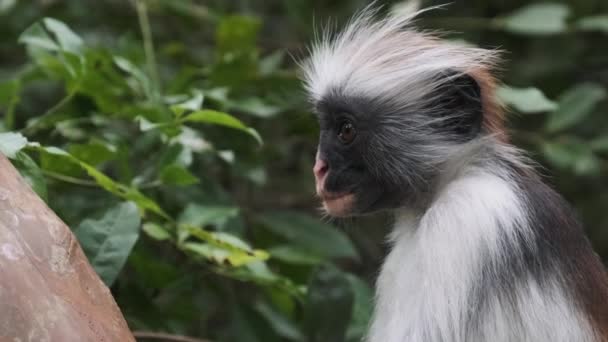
column 341, row 206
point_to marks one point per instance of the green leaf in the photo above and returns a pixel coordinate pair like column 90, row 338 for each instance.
column 600, row 144
column 537, row 19
column 525, row 100
column 594, row 23
column 572, row 154
column 259, row 273
column 32, row 174
column 205, row 215
column 219, row 255
column 237, row 33
column 271, row 63
column 329, row 305
column 362, row 308
column 280, row 323
column 9, row 98
column 9, row 90
column 176, row 175
column 222, row 119
column 309, row 234
column 574, row 106
column 294, row 255
column 36, row 36
column 564, row 154
column 11, row 143
column 6, row 6
column 108, row 241
column 222, row 248
column 94, row 152
column 155, row 231
column 254, row 106
column 192, row 104
column 67, row 39
column 107, row 183
column 143, row 82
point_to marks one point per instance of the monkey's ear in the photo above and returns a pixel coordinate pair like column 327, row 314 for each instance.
column 458, row 102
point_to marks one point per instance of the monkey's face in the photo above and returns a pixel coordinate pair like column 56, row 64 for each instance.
column 373, row 155
column 396, row 107
column 363, row 161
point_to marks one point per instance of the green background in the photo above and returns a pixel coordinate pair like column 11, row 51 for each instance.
column 174, row 137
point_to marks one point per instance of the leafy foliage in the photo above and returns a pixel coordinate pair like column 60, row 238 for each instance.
column 173, row 137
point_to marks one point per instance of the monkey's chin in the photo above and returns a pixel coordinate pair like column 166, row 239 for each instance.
column 339, row 206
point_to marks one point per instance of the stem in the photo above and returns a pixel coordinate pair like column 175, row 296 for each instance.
column 69, row 179
column 10, row 114
column 144, row 25
column 150, row 185
column 463, row 23
column 165, row 337
column 51, row 111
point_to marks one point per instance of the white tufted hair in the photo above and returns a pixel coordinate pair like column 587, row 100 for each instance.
column 387, row 59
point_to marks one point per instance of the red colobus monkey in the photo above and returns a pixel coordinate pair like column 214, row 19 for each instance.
column 482, row 249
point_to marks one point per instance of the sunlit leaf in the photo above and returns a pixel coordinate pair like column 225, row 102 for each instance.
column 259, row 273
column 94, row 152
column 219, row 255
column 537, row 19
column 572, row 154
column 36, row 36
column 142, row 80
column 600, row 144
column 108, row 184
column 108, row 240
column 7, row 5
column 31, row 172
column 223, row 247
column 204, row 215
column 192, row 104
column 222, row 119
column 67, row 39
column 254, row 106
column 271, row 63
column 177, row 175
column 11, row 143
column 594, row 23
column 237, row 33
column 155, row 231
column 525, row 100
column 294, row 255
column 575, row 105
column 310, row 234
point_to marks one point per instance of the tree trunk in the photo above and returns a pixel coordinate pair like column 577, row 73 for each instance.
column 48, row 289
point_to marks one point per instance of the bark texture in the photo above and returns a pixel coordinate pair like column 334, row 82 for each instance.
column 48, row 289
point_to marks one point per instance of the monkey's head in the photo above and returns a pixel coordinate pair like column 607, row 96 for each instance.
column 394, row 107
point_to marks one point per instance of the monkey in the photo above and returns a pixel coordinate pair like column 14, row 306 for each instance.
column 482, row 249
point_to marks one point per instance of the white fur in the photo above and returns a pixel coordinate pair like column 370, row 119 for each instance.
column 423, row 286
column 385, row 59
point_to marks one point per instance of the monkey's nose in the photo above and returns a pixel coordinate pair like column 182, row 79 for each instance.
column 320, row 170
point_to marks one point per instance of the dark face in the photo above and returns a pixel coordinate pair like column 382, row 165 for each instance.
column 372, row 157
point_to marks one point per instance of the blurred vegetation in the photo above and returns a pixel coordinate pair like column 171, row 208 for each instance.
column 175, row 139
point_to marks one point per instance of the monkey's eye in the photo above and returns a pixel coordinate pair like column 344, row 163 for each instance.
column 347, row 132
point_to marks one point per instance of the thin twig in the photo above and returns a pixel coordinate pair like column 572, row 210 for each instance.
column 165, row 337
column 146, row 32
column 51, row 111
column 69, row 179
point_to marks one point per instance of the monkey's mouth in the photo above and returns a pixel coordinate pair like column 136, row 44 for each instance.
column 337, row 204
column 329, row 196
